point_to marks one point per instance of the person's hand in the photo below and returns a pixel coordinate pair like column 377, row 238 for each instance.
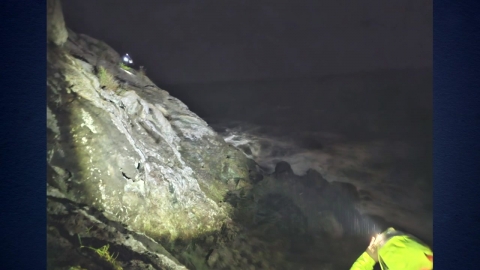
column 372, row 249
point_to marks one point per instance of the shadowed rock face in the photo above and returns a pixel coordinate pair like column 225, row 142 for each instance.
column 56, row 31
column 391, row 179
column 132, row 169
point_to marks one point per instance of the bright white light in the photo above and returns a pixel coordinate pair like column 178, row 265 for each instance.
column 125, row 59
column 131, row 62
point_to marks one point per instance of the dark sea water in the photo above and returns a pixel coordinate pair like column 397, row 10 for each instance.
column 282, row 118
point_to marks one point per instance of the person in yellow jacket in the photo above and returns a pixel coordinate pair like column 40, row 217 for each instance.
column 395, row 250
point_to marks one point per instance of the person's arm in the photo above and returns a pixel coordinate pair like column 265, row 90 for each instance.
column 364, row 262
column 368, row 259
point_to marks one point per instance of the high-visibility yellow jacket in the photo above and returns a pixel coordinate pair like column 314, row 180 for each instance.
column 399, row 252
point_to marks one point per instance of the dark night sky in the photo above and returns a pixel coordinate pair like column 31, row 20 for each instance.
column 335, row 65
column 208, row 41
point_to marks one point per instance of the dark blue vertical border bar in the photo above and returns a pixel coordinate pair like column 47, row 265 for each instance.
column 23, row 134
column 456, row 134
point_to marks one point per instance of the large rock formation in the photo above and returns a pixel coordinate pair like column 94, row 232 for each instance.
column 121, row 145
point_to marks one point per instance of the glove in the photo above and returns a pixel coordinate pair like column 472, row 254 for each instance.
column 372, row 248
